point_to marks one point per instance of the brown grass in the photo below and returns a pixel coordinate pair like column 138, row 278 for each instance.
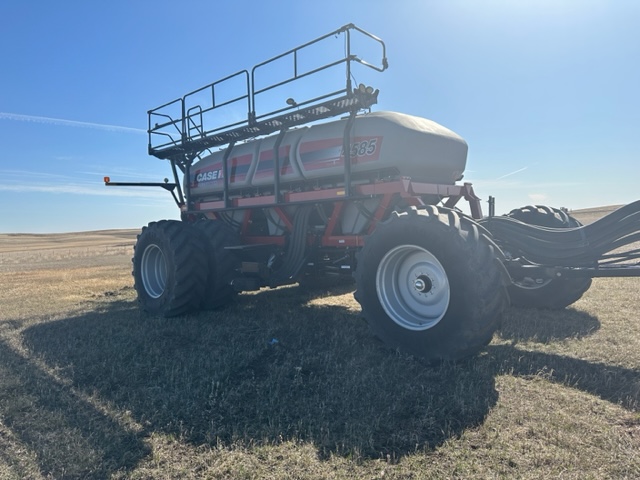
column 288, row 383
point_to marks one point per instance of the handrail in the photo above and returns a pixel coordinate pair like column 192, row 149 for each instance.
column 193, row 116
column 346, row 59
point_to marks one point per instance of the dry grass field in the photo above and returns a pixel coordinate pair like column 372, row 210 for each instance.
column 289, row 384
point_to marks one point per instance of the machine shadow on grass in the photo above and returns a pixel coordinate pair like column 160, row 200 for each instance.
column 68, row 435
column 274, row 367
column 545, row 326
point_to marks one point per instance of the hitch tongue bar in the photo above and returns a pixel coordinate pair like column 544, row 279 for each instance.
column 170, row 187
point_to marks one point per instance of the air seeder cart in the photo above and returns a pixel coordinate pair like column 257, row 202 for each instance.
column 304, row 186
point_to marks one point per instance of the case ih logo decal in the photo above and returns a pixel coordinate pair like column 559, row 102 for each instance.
column 208, row 176
column 238, row 168
column 328, row 153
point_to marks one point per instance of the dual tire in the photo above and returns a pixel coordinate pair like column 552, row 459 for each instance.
column 221, row 263
column 177, row 267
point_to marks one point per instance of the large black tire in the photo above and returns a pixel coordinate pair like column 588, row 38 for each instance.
column 169, row 268
column 555, row 293
column 430, row 284
column 222, row 264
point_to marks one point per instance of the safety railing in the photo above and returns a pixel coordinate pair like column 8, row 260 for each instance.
column 310, row 82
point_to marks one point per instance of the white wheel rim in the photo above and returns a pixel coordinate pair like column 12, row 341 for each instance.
column 413, row 287
column 153, row 270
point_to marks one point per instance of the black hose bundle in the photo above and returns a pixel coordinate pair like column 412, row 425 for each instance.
column 570, row 247
column 295, row 255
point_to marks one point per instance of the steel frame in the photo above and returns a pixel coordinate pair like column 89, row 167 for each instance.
column 404, row 188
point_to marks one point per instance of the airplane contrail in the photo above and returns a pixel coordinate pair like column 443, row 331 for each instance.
column 69, row 123
column 512, row 173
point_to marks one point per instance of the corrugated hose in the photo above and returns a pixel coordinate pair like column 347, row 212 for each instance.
column 571, row 247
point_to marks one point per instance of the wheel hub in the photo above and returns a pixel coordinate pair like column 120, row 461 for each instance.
column 412, row 287
column 423, row 284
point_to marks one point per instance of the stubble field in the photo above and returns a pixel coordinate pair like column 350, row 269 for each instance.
column 288, row 383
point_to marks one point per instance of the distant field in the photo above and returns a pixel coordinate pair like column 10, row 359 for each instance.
column 19, row 242
column 289, row 384
column 80, row 248
column 590, row 215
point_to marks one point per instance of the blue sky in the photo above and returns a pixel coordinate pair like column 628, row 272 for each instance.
column 546, row 93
